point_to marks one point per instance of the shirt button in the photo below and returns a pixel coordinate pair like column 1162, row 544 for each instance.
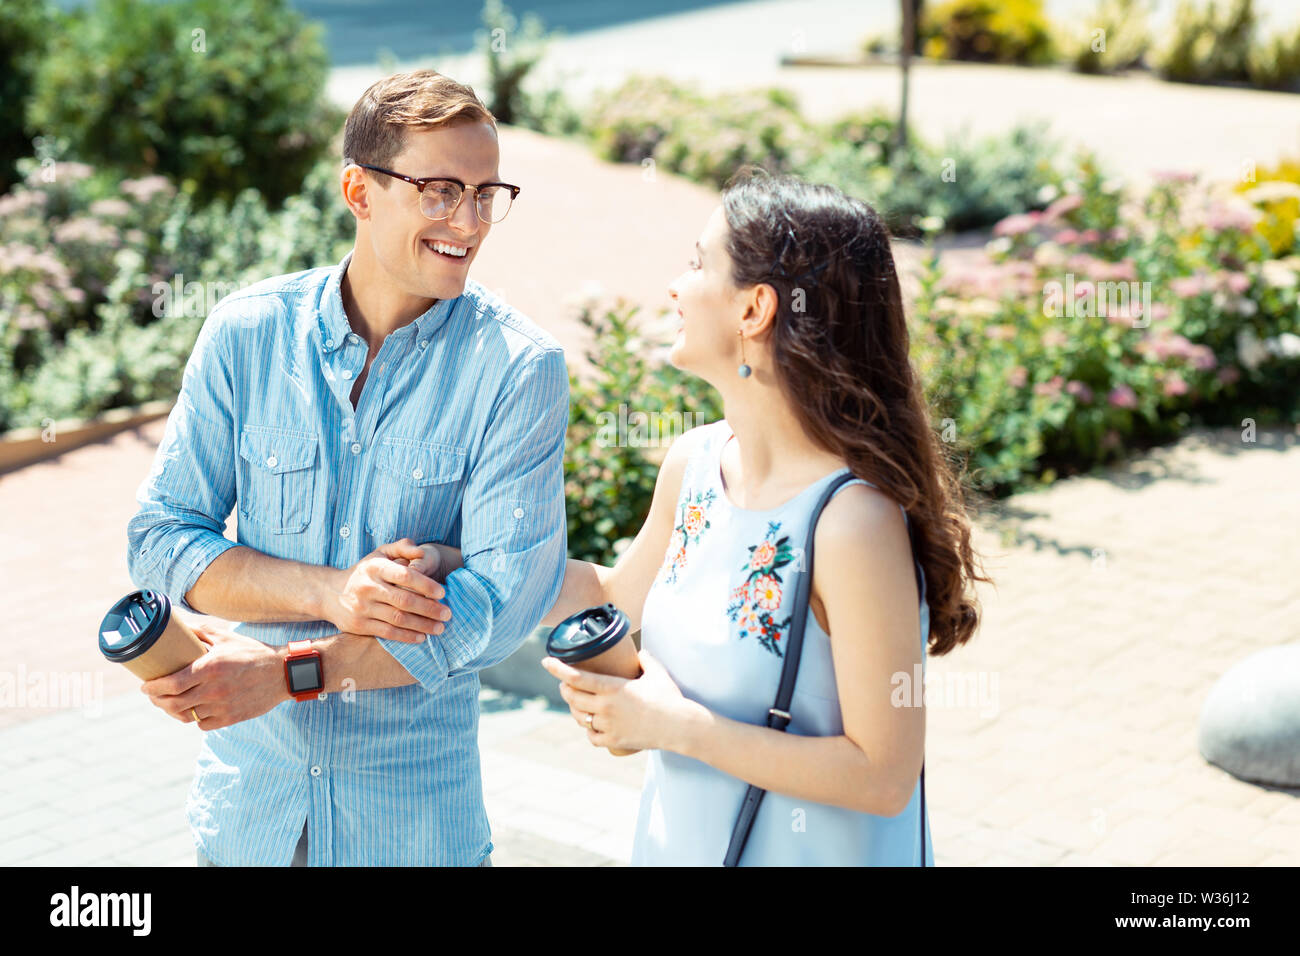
column 423, row 343
column 417, row 474
column 519, row 512
column 347, row 373
column 356, row 448
column 272, row 462
column 353, row 338
column 329, row 343
column 315, row 771
column 344, row 531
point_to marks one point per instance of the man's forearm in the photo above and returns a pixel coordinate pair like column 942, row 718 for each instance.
column 243, row 584
column 357, row 662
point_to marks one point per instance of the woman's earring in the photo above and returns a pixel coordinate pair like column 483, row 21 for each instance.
column 744, row 369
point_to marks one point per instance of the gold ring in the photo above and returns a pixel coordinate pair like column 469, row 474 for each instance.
column 195, row 713
column 590, row 718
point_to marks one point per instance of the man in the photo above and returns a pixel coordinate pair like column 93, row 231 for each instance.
column 350, row 412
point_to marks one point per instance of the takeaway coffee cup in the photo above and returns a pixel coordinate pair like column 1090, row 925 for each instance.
column 597, row 640
column 143, row 635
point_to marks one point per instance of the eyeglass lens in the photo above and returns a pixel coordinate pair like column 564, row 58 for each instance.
column 439, row 199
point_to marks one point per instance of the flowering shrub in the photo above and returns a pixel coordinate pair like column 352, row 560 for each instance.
column 87, row 264
column 1276, row 193
column 962, row 185
column 1100, row 322
column 609, row 479
column 702, row 138
column 994, row 31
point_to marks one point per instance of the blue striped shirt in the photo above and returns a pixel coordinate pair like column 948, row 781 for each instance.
column 457, row 437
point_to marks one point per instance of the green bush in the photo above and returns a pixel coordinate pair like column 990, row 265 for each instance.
column 1114, row 38
column 89, row 319
column 702, row 138
column 609, row 473
column 1205, row 44
column 224, row 93
column 1275, row 63
column 24, row 29
column 966, row 184
column 1100, row 324
column 989, row 31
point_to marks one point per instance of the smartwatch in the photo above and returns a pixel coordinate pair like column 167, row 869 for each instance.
column 303, row 672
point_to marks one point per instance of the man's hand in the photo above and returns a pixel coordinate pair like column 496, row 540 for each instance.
column 237, row 679
column 389, row 594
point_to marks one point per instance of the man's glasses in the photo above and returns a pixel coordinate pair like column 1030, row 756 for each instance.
column 439, row 198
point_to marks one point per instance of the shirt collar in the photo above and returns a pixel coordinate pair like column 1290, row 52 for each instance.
column 333, row 320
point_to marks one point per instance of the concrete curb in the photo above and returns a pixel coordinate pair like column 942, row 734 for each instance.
column 25, row 446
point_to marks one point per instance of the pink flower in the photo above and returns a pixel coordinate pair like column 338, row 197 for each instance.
column 1062, row 207
column 1079, row 390
column 1018, row 376
column 1067, row 236
column 762, row 556
column 1089, row 235
column 1229, row 375
column 1017, row 224
column 1239, row 216
column 1175, row 386
column 142, row 190
column 1173, row 176
column 110, row 208
column 1122, row 396
column 1159, row 311
column 1118, row 234
column 1202, row 358
column 1050, row 388
column 1187, row 287
column 1055, row 338
column 1001, row 333
column 1235, row 282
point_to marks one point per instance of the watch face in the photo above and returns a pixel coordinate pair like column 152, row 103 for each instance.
column 305, row 675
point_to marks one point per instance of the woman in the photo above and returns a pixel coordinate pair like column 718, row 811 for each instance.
column 791, row 308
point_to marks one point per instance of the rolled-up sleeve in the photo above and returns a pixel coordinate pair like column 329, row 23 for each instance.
column 514, row 538
column 190, row 490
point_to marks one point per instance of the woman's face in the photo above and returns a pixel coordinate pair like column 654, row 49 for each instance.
column 709, row 307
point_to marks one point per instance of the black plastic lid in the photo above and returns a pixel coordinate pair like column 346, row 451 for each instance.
column 587, row 633
column 132, row 626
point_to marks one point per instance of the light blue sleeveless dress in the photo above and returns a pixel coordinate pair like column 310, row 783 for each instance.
column 717, row 617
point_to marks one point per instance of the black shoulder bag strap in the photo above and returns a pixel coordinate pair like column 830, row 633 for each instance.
column 778, row 715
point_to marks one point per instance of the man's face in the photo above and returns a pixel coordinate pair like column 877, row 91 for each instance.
column 400, row 235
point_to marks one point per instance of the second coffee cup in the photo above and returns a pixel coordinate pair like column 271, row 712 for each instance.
column 597, row 640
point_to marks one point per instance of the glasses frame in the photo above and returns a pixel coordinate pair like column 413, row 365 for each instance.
column 419, row 184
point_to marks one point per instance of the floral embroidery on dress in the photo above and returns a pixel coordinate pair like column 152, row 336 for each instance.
column 754, row 600
column 693, row 522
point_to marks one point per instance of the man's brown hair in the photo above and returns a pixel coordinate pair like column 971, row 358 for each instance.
column 421, row 99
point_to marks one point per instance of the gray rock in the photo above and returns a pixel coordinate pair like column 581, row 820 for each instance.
column 1250, row 721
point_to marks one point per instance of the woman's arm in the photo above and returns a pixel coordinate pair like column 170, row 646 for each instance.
column 863, row 574
column 627, row 583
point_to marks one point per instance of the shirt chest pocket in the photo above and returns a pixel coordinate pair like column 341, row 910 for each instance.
column 277, row 477
column 416, row 491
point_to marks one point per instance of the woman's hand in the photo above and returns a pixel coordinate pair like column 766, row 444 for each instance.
column 428, row 564
column 648, row 713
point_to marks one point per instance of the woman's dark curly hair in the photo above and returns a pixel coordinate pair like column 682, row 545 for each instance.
column 839, row 343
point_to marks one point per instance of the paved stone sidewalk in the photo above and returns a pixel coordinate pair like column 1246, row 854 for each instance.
column 1120, row 599
column 105, row 785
